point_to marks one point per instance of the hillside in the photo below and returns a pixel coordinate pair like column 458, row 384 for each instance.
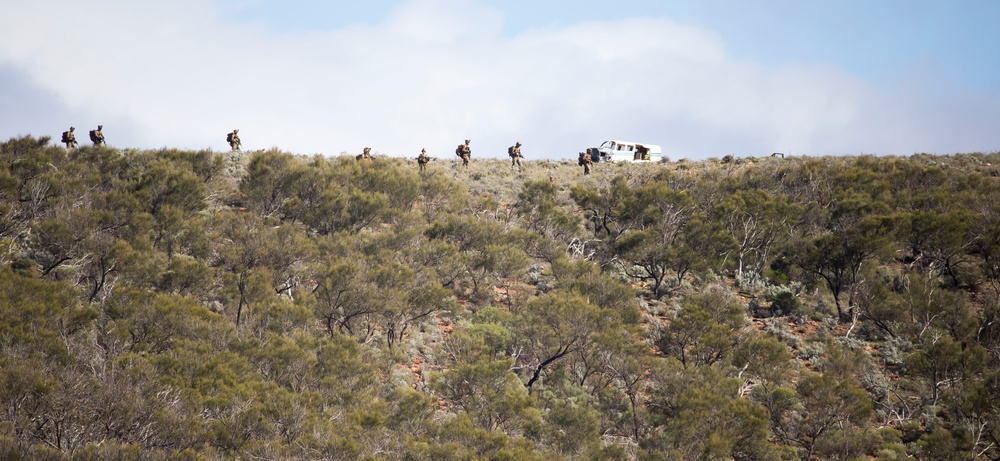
column 200, row 305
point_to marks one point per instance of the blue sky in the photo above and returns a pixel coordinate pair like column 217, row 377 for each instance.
column 700, row 78
column 873, row 38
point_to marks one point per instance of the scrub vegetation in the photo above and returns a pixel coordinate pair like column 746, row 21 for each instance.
column 165, row 304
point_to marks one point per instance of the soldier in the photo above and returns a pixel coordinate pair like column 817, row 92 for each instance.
column 641, row 153
column 465, row 152
column 515, row 155
column 365, row 154
column 234, row 140
column 69, row 138
column 586, row 161
column 96, row 136
column 423, row 159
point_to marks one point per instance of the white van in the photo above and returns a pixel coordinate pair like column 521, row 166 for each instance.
column 625, row 151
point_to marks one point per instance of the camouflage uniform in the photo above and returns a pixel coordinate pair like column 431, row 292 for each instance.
column 423, row 159
column 465, row 152
column 641, row 152
column 586, row 161
column 515, row 155
column 96, row 136
column 69, row 138
column 365, row 154
column 234, row 140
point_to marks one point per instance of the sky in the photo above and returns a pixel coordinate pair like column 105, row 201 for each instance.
column 701, row 79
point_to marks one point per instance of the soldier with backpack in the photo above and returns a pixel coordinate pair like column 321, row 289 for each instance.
column 423, row 159
column 465, row 152
column 69, row 138
column 586, row 160
column 234, row 140
column 515, row 155
column 96, row 136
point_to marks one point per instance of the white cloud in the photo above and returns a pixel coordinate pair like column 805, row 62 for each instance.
column 432, row 74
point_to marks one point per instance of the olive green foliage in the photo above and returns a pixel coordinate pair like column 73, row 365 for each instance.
column 172, row 304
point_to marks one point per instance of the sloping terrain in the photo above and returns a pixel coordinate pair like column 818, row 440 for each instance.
column 200, row 305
